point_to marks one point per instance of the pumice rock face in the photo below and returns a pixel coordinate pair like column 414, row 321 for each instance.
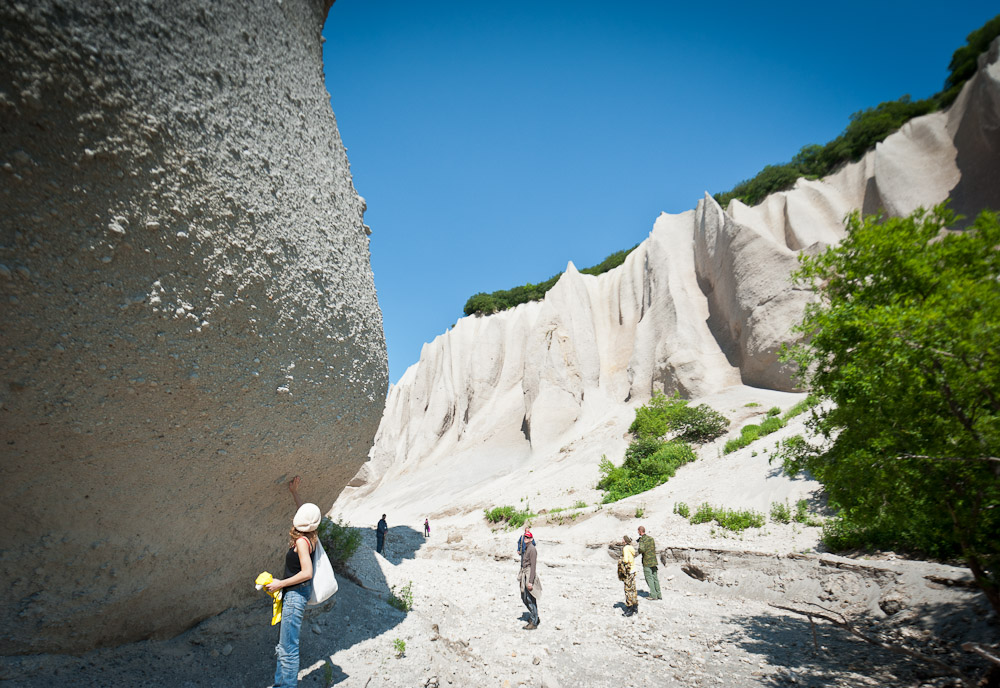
column 189, row 315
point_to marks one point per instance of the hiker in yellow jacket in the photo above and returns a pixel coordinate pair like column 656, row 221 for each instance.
column 626, row 572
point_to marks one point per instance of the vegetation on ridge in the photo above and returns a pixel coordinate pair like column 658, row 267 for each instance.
column 865, row 129
column 662, row 429
column 501, row 300
column 901, row 344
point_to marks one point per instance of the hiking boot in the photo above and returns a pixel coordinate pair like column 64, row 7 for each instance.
column 530, row 626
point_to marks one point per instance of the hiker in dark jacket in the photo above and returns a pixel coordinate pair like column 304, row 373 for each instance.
column 380, row 531
column 647, row 548
column 529, row 581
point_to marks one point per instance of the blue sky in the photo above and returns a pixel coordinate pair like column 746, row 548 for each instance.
column 494, row 142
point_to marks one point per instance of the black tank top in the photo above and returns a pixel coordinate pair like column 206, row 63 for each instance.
column 293, row 565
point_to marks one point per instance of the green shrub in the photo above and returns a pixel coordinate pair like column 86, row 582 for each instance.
column 704, row 514
column 672, row 415
column 752, row 404
column 801, row 407
column 484, row 304
column 579, row 504
column 682, row 509
column 508, row 515
column 739, row 519
column 640, row 510
column 730, row 519
column 772, row 424
column 399, row 645
column 780, row 513
column 773, row 411
column 340, row 541
column 732, row 445
column 648, row 463
column 404, row 600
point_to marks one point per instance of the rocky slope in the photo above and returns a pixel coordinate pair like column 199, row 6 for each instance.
column 702, row 305
column 189, row 310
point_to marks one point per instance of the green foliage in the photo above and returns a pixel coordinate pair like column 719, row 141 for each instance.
column 730, row 519
column 751, row 433
column 773, row 411
column 648, row 462
column 902, row 343
column 682, row 509
column 866, row 128
column 399, row 645
column 484, row 304
column 340, row 541
column 579, row 504
column 801, row 407
column 780, row 513
column 640, row 511
column 404, row 600
column 672, row 415
column 964, row 60
column 509, row 516
column 752, row 404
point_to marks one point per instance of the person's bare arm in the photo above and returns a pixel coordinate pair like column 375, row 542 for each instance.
column 293, row 487
column 305, row 561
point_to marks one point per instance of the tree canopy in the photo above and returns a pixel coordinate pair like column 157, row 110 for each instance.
column 903, row 342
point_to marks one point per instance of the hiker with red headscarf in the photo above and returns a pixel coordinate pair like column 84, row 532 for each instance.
column 529, row 581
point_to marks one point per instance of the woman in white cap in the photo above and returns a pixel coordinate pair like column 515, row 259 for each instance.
column 297, row 584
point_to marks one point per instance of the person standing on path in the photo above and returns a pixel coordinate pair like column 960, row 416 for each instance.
column 297, row 587
column 529, row 581
column 647, row 548
column 380, row 531
column 627, row 568
column 427, row 528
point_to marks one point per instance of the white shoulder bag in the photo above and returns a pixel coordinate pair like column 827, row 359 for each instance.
column 323, row 580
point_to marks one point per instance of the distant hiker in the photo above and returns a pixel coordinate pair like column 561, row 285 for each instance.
column 529, row 581
column 520, row 541
column 626, row 574
column 380, row 531
column 296, row 586
column 427, row 528
column 647, row 548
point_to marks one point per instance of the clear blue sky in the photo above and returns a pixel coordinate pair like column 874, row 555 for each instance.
column 495, row 141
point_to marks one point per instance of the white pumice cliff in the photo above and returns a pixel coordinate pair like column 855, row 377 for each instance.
column 189, row 314
column 702, row 306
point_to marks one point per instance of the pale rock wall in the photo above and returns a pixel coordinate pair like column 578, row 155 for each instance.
column 189, row 315
column 702, row 305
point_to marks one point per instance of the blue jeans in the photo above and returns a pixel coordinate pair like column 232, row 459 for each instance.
column 293, row 606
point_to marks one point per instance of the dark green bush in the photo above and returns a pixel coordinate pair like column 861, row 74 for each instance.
column 648, row 462
column 865, row 129
column 780, row 513
column 340, row 541
column 673, row 416
column 502, row 299
column 509, row 516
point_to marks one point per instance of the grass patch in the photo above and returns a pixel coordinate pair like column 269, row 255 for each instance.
column 579, row 504
column 340, row 541
column 403, row 601
column 648, row 463
column 780, row 513
column 399, row 645
column 509, row 516
column 751, row 433
column 752, row 404
column 801, row 407
column 731, row 519
column 682, row 509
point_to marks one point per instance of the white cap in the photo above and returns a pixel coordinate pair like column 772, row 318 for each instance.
column 307, row 518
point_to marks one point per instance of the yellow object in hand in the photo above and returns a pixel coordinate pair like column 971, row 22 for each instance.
column 266, row 579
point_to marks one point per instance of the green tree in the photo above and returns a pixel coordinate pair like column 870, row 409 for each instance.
column 903, row 341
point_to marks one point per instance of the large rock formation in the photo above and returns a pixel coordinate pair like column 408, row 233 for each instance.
column 189, row 313
column 702, row 305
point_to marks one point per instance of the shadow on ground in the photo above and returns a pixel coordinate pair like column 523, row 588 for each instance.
column 236, row 648
column 822, row 654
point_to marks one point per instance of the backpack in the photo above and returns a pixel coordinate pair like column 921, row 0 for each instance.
column 623, row 570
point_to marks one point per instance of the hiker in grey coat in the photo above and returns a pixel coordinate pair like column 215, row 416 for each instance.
column 529, row 580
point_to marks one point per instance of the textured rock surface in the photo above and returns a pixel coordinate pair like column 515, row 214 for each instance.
column 188, row 309
column 702, row 305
